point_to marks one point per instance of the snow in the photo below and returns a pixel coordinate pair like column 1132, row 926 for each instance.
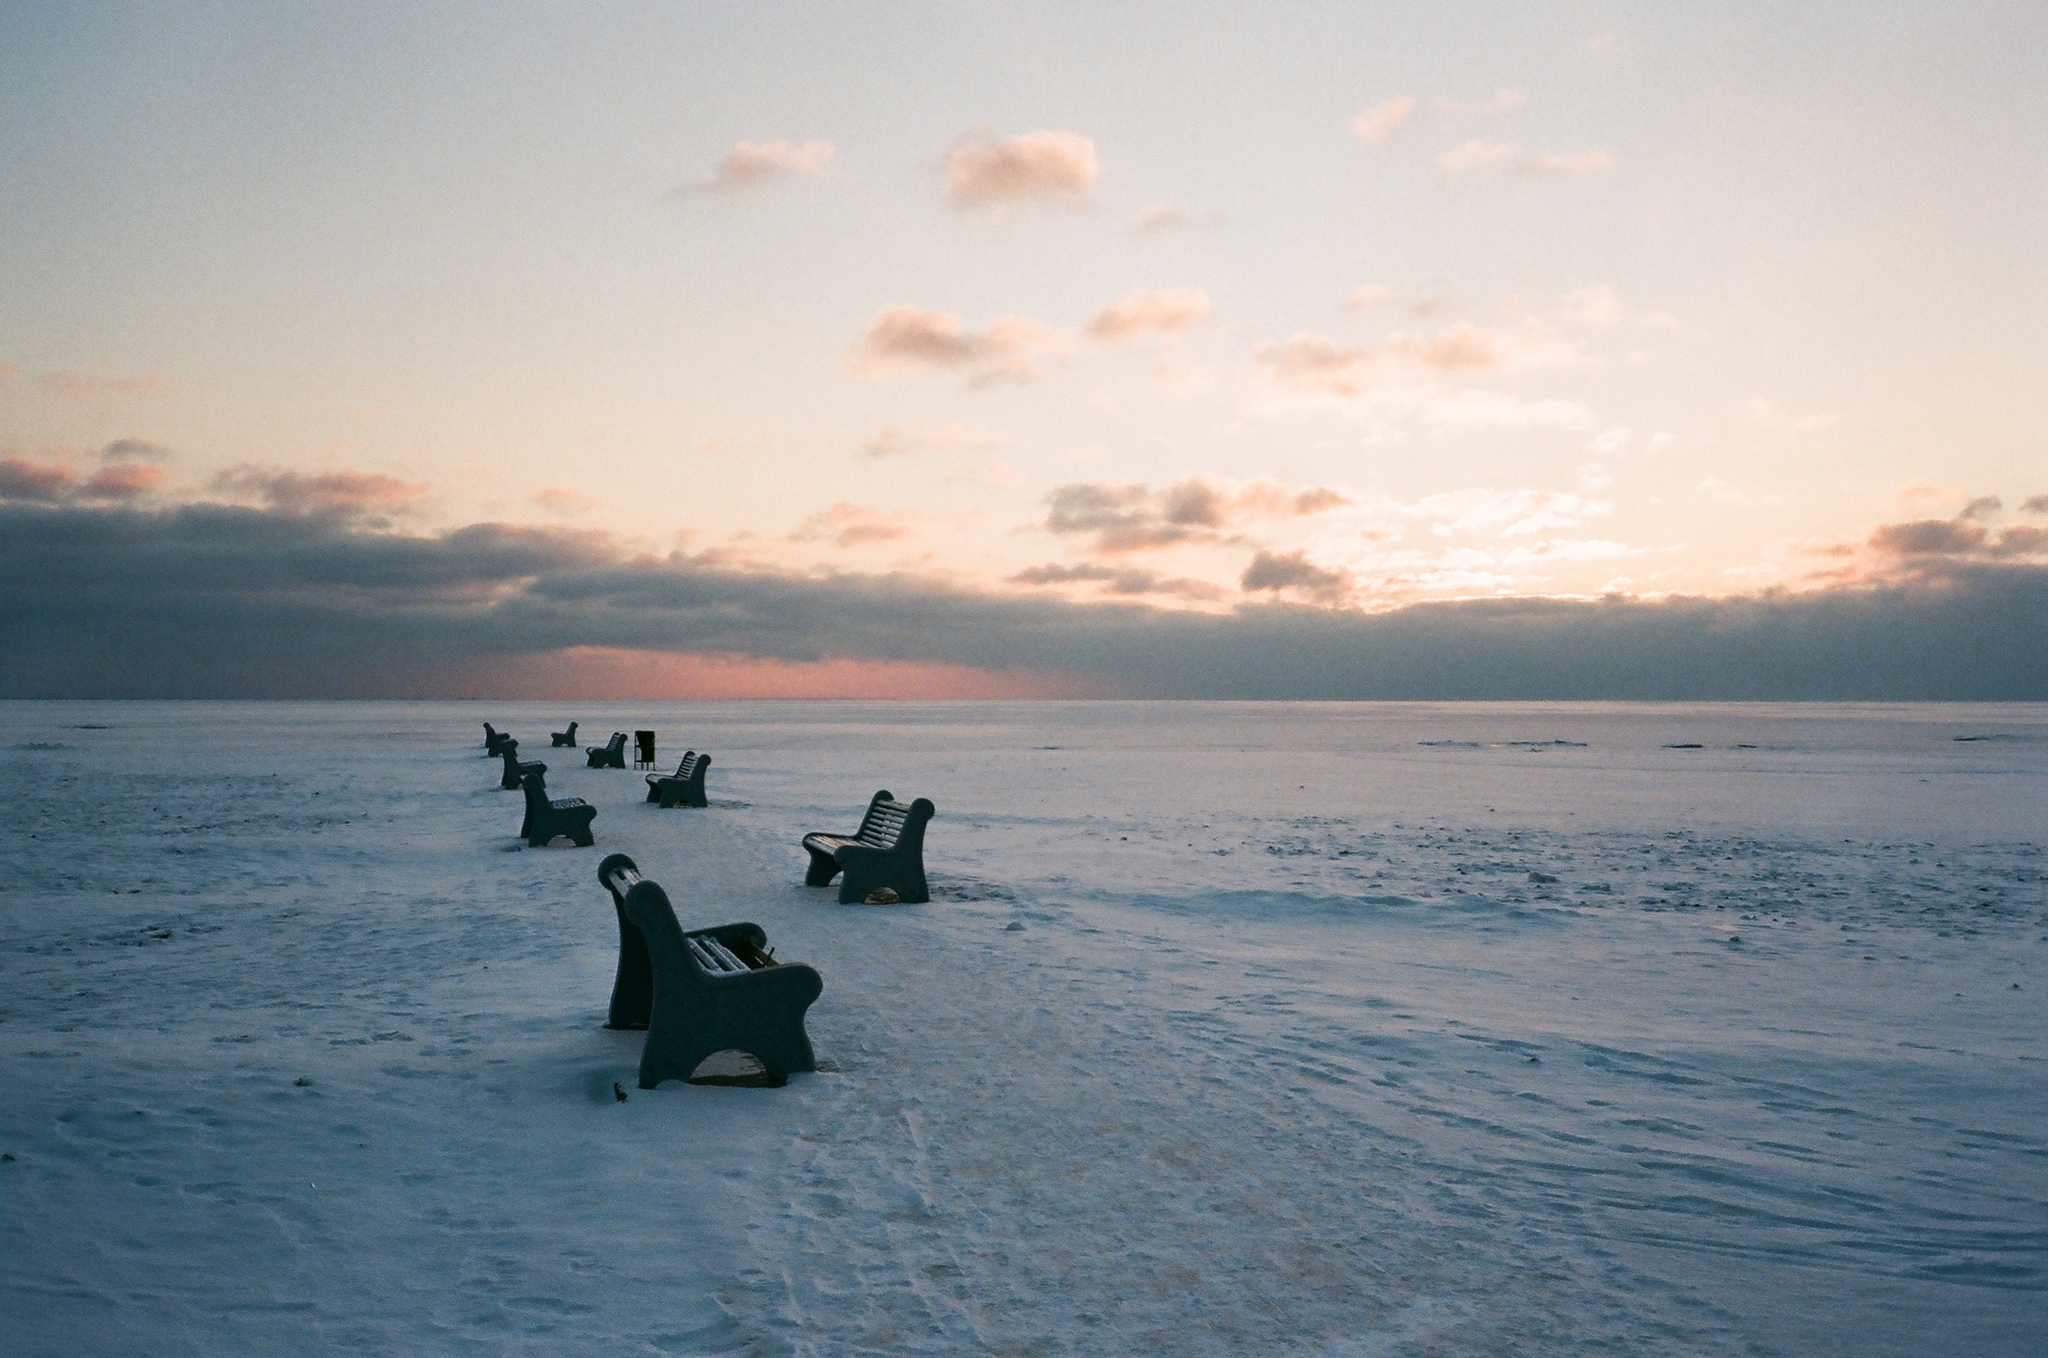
column 1230, row 1028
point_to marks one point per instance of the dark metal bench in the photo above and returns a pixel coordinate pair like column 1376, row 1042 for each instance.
column 564, row 740
column 887, row 851
column 545, row 819
column 702, row 991
column 515, row 767
column 610, row 755
column 493, row 739
column 684, row 787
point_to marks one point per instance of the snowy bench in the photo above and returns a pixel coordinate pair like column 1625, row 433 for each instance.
column 545, row 819
column 610, row 755
column 493, row 739
column 702, row 991
column 684, row 787
column 887, row 851
column 515, row 767
column 564, row 740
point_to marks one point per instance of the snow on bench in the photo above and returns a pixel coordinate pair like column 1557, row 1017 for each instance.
column 545, row 819
column 684, row 787
column 887, row 851
column 704, row 991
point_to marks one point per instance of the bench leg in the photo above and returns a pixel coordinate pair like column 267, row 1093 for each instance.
column 824, row 867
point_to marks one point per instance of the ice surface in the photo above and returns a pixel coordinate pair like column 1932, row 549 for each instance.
column 1377, row 1029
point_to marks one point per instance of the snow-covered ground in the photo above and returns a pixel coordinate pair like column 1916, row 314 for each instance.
column 1229, row 1029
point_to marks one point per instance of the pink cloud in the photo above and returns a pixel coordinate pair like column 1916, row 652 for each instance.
column 1478, row 154
column 1379, row 123
column 84, row 385
column 344, row 494
column 1044, row 165
column 1129, row 518
column 609, row 673
column 1165, row 312
column 22, row 479
column 563, row 500
column 752, row 163
column 907, row 339
column 124, row 481
column 1312, row 364
column 895, row 439
column 851, row 525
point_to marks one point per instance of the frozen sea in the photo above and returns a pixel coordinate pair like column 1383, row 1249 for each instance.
column 1292, row 1029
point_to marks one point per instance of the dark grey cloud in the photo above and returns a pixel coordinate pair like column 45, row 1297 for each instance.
column 2035, row 504
column 228, row 602
column 1281, row 572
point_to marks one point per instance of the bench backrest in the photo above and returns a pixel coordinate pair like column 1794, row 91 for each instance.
column 890, row 823
column 536, row 784
column 689, row 762
column 617, row 744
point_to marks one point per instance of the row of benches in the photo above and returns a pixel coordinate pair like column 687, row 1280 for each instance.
column 700, row 992
column 886, row 851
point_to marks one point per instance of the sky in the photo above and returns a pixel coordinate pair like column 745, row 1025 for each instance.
column 1292, row 350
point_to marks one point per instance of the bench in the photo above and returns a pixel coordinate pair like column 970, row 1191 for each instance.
column 515, row 767
column 610, row 755
column 684, row 787
column 564, row 740
column 702, row 991
column 545, row 819
column 887, row 851
column 493, row 739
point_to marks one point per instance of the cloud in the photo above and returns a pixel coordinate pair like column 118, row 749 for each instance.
column 1315, row 365
column 1961, row 536
column 1983, row 507
column 2035, row 504
column 135, row 450
column 895, row 440
column 908, row 339
column 1046, row 166
column 564, row 500
column 1592, row 308
column 1478, row 154
column 124, row 481
column 1131, row 518
column 217, row 601
column 342, row 494
column 1293, row 572
column 1165, row 312
column 1927, row 537
column 851, row 525
column 42, row 482
column 1379, row 123
column 1128, row 581
column 753, row 163
column 1161, row 217
column 86, row 386
column 1371, row 295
